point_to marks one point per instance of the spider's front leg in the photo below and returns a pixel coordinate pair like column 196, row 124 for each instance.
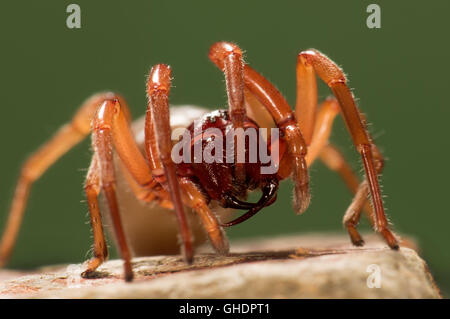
column 110, row 130
column 158, row 147
column 285, row 120
column 333, row 76
column 228, row 57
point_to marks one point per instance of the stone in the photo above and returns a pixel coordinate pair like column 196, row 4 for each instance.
column 306, row 266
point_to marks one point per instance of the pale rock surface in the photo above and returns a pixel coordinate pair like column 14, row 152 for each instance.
column 308, row 266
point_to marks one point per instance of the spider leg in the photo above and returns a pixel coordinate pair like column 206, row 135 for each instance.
column 92, row 190
column 335, row 161
column 110, row 129
column 306, row 104
column 194, row 199
column 228, row 57
column 352, row 215
column 67, row 136
column 158, row 87
column 257, row 112
column 323, row 125
column 284, row 118
column 143, row 193
column 333, row 76
column 332, row 157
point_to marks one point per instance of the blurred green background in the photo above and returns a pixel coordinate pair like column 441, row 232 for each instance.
column 399, row 74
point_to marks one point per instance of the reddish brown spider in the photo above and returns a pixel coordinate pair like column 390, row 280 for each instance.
column 148, row 169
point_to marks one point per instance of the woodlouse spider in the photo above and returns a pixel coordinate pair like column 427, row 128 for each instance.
column 138, row 157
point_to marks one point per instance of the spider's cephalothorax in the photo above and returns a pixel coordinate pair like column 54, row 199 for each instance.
column 147, row 167
column 212, row 162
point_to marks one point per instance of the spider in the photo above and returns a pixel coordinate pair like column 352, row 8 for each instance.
column 138, row 157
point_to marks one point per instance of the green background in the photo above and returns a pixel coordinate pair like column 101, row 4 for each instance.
column 399, row 74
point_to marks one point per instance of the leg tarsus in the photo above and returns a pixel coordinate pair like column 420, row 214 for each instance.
column 390, row 238
column 353, row 213
column 91, row 268
column 355, row 236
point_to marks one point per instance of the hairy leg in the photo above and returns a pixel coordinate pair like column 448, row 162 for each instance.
column 67, row 136
column 228, row 57
column 333, row 76
column 92, row 190
column 335, row 161
column 110, row 130
column 195, row 199
column 306, row 104
column 322, row 128
column 284, row 118
column 158, row 87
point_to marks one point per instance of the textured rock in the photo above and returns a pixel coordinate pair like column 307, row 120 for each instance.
column 320, row 266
